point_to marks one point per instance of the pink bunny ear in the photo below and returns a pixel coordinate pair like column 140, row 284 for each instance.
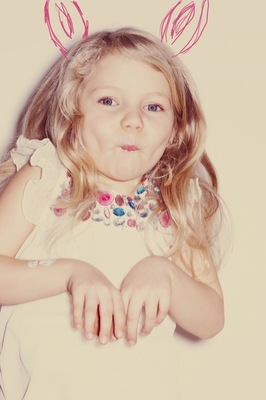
column 176, row 25
column 85, row 23
column 65, row 21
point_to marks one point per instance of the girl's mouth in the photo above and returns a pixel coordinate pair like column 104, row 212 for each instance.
column 129, row 147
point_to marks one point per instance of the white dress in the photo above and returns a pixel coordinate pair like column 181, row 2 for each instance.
column 43, row 357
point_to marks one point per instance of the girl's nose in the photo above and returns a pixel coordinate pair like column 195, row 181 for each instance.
column 132, row 121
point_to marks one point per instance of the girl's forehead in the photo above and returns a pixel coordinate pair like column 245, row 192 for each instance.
column 121, row 61
column 120, row 70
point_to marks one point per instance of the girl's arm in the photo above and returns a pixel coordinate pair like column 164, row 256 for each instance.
column 162, row 287
column 197, row 304
column 20, row 283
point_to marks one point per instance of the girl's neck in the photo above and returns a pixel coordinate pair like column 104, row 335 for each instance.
column 123, row 187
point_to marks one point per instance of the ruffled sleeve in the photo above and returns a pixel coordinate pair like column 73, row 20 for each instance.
column 41, row 193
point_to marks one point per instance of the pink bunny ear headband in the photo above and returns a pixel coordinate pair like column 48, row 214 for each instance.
column 175, row 22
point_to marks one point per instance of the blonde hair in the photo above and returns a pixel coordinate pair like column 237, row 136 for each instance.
column 53, row 112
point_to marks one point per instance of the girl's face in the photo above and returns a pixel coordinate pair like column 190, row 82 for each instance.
column 128, row 120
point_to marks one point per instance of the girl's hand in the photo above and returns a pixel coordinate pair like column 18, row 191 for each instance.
column 98, row 307
column 148, row 285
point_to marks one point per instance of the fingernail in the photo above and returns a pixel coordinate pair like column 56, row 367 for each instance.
column 119, row 334
column 131, row 342
column 90, row 336
column 104, row 340
column 144, row 333
column 78, row 326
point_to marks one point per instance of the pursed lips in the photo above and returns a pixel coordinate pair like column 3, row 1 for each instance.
column 129, row 147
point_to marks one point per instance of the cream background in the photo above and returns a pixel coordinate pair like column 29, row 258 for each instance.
column 228, row 65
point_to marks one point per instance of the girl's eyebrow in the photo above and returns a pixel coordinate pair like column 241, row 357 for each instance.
column 106, row 87
column 159, row 94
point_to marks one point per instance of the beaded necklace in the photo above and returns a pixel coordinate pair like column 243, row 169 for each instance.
column 122, row 210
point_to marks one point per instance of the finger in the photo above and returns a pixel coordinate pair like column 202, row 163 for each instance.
column 106, row 317
column 132, row 320
column 163, row 309
column 78, row 307
column 119, row 317
column 151, row 310
column 90, row 316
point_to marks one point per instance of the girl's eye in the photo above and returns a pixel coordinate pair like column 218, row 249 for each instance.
column 107, row 101
column 154, row 107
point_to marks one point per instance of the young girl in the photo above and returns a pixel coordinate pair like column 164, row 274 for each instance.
column 108, row 214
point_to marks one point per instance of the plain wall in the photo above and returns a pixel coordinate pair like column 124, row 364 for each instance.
column 228, row 64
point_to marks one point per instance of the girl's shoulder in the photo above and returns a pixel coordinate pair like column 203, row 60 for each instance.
column 38, row 165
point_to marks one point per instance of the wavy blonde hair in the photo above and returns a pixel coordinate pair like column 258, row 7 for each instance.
column 53, row 112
